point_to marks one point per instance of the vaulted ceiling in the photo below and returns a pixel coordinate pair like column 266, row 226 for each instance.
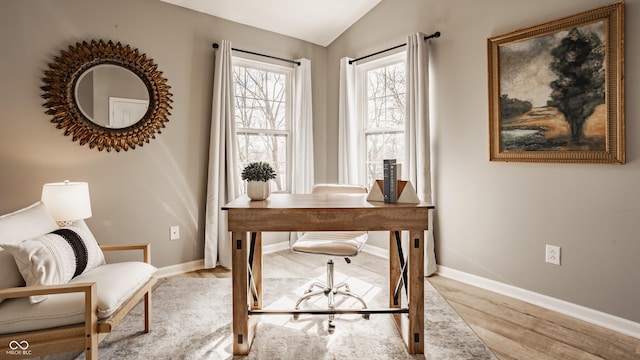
column 317, row 21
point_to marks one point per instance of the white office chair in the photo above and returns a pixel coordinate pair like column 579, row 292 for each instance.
column 344, row 244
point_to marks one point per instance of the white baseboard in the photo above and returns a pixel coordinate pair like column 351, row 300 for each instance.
column 199, row 264
column 377, row 251
column 267, row 249
column 595, row 317
column 180, row 268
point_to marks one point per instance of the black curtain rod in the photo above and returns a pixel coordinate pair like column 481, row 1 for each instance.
column 434, row 35
column 215, row 46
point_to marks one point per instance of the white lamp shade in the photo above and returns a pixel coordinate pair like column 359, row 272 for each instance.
column 67, row 201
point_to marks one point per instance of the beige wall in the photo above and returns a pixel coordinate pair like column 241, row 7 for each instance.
column 493, row 218
column 136, row 195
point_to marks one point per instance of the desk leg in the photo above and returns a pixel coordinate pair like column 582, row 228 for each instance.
column 411, row 326
column 400, row 320
column 242, row 330
column 415, row 344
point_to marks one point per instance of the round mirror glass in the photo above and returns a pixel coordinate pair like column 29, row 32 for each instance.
column 111, row 96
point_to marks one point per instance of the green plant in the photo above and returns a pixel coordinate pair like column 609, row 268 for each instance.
column 258, row 171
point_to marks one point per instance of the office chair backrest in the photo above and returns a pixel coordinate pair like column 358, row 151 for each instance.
column 339, row 189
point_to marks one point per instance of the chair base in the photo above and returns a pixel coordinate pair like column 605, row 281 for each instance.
column 330, row 290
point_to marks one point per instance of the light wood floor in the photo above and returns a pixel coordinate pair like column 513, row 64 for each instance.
column 512, row 329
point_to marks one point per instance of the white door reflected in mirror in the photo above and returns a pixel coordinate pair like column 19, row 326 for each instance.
column 124, row 112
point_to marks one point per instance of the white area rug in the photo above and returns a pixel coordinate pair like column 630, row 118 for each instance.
column 192, row 320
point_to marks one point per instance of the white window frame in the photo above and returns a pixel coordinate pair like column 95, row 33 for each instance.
column 362, row 109
column 289, row 72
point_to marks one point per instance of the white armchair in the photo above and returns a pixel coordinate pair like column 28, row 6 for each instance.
column 41, row 312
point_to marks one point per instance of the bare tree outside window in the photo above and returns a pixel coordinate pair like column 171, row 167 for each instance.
column 385, row 118
column 262, row 119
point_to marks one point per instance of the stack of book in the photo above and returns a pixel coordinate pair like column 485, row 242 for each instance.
column 390, row 181
column 391, row 189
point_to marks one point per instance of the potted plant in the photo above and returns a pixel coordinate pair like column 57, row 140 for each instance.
column 258, row 175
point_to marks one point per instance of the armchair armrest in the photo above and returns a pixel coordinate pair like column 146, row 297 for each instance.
column 90, row 326
column 146, row 249
column 24, row 291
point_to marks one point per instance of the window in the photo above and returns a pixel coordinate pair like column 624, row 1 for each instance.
column 381, row 113
column 263, row 117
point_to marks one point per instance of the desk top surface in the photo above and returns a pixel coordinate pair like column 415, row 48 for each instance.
column 315, row 201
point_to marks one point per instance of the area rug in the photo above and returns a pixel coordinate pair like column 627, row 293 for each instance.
column 192, row 320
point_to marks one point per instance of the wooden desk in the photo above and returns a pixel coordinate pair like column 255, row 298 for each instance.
column 326, row 212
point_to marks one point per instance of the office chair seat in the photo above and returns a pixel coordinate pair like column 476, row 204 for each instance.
column 336, row 243
column 342, row 243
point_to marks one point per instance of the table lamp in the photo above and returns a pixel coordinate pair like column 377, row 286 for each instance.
column 67, row 201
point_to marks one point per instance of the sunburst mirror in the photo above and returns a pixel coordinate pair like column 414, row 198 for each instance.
column 108, row 96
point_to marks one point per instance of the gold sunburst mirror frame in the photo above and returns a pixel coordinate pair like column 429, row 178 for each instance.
column 60, row 94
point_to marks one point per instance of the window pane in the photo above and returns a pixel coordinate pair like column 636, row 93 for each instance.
column 375, row 83
column 380, row 146
column 375, row 108
column 277, row 116
column 256, row 115
column 385, row 146
column 276, row 86
column 374, row 172
column 239, row 79
column 267, row 148
column 253, row 83
column 386, row 97
column 394, row 146
column 385, row 118
column 394, row 113
column 395, row 79
column 262, row 122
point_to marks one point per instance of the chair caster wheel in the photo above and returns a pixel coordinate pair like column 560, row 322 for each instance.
column 332, row 328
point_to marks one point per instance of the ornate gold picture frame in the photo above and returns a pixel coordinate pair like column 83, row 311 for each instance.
column 556, row 90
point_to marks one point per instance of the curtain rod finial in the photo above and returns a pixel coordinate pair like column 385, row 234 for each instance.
column 436, row 34
column 215, row 45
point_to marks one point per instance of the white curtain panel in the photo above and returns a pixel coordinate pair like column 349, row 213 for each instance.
column 302, row 160
column 302, row 166
column 347, row 125
column 417, row 138
column 223, row 179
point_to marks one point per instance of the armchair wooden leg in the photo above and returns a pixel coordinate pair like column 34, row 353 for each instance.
column 91, row 322
column 147, row 312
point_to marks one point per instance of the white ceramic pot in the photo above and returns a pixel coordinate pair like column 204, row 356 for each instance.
column 258, row 190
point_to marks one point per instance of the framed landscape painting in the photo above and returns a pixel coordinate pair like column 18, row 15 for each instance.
column 556, row 91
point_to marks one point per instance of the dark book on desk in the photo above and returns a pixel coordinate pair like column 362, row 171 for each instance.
column 390, row 180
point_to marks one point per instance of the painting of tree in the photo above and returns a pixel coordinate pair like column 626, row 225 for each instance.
column 556, row 90
column 550, row 87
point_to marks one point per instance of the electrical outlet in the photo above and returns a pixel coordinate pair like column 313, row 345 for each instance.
column 175, row 233
column 552, row 254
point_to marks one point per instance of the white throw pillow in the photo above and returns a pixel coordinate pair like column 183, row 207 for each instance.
column 56, row 257
column 31, row 221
